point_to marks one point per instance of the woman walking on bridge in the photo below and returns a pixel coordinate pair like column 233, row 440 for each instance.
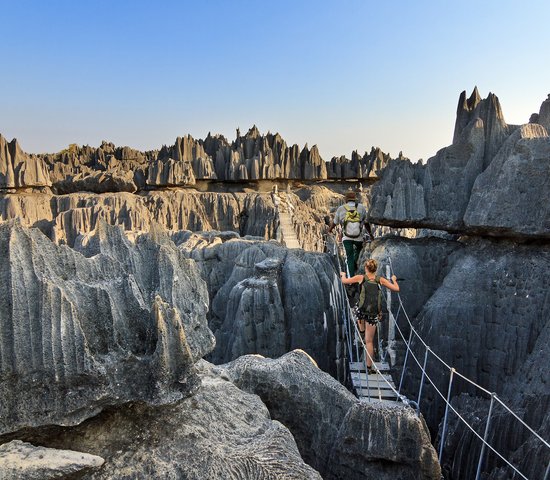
column 369, row 308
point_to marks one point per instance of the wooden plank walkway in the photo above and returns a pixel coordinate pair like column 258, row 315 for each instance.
column 373, row 387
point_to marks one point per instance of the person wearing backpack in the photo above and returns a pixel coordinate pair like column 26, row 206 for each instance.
column 351, row 216
column 369, row 307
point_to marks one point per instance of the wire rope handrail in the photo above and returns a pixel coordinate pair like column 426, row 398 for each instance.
column 464, row 377
column 448, row 405
column 453, row 371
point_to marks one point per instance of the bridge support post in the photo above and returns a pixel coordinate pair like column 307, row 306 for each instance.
column 391, row 325
column 447, row 403
column 423, row 377
column 478, row 473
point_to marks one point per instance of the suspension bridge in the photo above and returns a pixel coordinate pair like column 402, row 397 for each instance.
column 379, row 386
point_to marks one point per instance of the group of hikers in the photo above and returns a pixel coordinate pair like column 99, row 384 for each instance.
column 352, row 217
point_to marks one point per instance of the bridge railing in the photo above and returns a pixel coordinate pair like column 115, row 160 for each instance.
column 357, row 350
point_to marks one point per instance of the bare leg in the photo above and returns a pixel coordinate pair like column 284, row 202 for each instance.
column 370, row 330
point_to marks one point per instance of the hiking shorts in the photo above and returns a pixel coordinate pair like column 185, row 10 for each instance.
column 370, row 319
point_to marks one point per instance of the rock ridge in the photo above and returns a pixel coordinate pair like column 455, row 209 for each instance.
column 490, row 181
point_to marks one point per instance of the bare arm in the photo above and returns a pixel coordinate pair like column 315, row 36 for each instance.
column 348, row 281
column 393, row 285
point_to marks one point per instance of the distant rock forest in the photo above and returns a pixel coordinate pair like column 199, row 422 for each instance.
column 156, row 324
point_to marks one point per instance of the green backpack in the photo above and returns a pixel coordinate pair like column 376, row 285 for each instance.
column 370, row 298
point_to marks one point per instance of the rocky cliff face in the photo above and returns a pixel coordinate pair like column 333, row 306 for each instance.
column 483, row 307
column 79, row 334
column 510, row 197
column 268, row 300
column 100, row 349
column 464, row 187
column 64, row 218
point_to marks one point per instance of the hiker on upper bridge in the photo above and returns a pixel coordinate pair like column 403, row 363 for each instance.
column 369, row 308
column 352, row 216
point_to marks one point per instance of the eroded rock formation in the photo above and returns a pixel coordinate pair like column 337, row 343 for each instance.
column 64, row 218
column 370, row 165
column 483, row 307
column 268, row 300
column 19, row 170
column 465, row 187
column 23, row 460
column 342, row 437
column 219, row 432
column 79, row 334
column 510, row 197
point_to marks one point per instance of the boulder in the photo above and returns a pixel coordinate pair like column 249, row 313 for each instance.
column 219, row 432
column 336, row 434
column 80, row 334
column 23, row 460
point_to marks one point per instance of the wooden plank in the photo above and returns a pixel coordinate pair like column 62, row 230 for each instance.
column 384, row 388
column 360, row 366
column 384, row 400
column 363, row 392
column 372, row 383
column 363, row 376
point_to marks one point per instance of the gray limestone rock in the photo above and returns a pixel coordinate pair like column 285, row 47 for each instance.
column 434, row 195
column 484, row 320
column 490, row 113
column 120, row 165
column 219, row 432
column 268, row 300
column 64, row 218
column 335, row 433
column 543, row 117
column 528, row 395
column 420, row 265
column 510, row 197
column 483, row 307
column 170, row 173
column 490, row 181
column 97, row 182
column 19, row 460
column 79, row 334
column 369, row 166
column 19, row 170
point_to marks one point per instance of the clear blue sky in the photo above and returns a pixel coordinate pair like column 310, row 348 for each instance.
column 342, row 74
